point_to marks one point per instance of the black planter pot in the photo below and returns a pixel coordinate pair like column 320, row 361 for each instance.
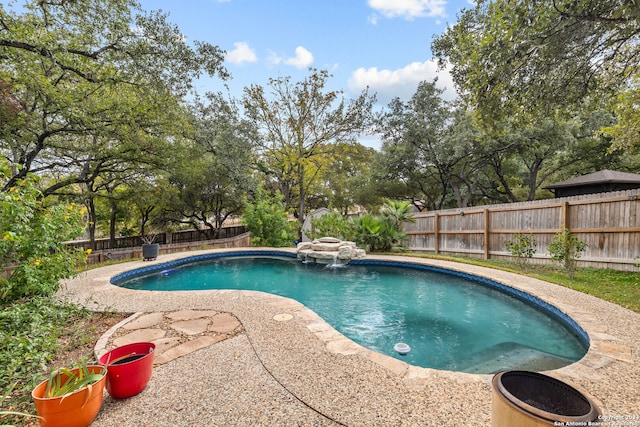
column 150, row 251
column 522, row 398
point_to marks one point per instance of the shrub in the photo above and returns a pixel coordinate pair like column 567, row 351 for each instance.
column 333, row 225
column 522, row 247
column 33, row 258
column 398, row 212
column 566, row 248
column 266, row 219
column 375, row 233
column 370, row 232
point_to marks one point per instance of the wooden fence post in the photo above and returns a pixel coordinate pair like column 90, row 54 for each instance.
column 487, row 234
column 436, row 234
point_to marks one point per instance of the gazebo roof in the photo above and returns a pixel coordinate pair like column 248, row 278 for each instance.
column 601, row 177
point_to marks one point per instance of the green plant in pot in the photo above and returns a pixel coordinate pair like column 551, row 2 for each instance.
column 150, row 249
column 70, row 397
column 63, row 381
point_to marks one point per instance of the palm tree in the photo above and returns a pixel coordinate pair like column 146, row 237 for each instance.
column 398, row 211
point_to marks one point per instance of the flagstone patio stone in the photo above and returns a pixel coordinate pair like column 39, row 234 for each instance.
column 191, row 327
column 145, row 321
column 186, row 348
column 175, row 333
column 139, row 335
column 224, row 323
column 164, row 344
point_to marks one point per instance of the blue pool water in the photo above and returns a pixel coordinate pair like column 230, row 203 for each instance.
column 449, row 320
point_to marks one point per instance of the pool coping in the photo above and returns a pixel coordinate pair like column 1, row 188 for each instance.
column 608, row 362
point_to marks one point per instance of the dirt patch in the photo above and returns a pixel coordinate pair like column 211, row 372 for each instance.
column 80, row 338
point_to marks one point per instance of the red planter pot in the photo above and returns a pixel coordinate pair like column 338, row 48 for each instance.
column 129, row 368
column 78, row 409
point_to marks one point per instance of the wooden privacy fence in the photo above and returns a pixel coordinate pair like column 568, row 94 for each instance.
column 184, row 236
column 608, row 222
column 239, row 241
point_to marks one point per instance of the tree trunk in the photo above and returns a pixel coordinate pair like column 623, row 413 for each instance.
column 91, row 208
column 301, row 200
column 496, row 164
column 112, row 223
column 533, row 178
column 458, row 195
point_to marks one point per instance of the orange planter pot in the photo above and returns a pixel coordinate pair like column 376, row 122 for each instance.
column 78, row 409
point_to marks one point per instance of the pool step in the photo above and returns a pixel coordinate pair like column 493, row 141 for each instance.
column 511, row 355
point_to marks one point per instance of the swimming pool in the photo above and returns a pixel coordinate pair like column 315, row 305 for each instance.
column 451, row 321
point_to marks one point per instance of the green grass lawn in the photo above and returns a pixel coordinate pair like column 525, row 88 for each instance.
column 619, row 287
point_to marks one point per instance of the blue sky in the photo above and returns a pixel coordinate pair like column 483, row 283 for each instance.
column 383, row 44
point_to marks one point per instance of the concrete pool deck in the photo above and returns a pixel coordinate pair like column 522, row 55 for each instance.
column 284, row 365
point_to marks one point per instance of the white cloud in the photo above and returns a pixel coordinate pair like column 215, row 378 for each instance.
column 409, row 9
column 303, row 58
column 274, row 58
column 242, row 53
column 401, row 83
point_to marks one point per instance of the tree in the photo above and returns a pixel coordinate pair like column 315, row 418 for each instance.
column 538, row 145
column 346, row 179
column 528, row 59
column 300, row 124
column 109, row 168
column 398, row 171
column 215, row 173
column 528, row 157
column 433, row 147
column 625, row 132
column 9, row 110
column 149, row 196
column 87, row 71
column 467, row 155
column 436, row 156
column 410, row 131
